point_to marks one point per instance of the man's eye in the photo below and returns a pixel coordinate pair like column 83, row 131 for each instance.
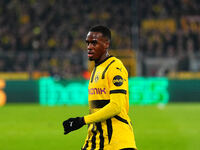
column 94, row 42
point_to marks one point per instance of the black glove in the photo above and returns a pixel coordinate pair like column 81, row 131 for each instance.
column 73, row 124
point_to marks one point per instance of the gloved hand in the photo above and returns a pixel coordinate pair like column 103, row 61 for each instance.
column 73, row 124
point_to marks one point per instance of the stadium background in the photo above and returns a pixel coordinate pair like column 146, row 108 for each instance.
column 44, row 69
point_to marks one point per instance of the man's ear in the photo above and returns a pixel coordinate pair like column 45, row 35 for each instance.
column 106, row 44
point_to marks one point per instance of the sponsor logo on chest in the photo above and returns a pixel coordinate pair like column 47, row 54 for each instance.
column 93, row 91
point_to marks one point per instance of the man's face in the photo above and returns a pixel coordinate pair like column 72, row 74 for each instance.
column 97, row 46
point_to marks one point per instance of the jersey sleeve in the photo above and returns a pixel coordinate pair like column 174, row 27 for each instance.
column 117, row 80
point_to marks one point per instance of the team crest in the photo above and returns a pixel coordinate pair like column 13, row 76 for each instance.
column 96, row 77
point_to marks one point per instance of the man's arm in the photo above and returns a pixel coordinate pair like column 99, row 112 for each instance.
column 108, row 111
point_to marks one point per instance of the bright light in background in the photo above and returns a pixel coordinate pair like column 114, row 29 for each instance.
column 148, row 90
column 2, row 93
column 141, row 91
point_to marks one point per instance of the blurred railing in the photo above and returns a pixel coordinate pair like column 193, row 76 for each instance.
column 61, row 64
column 74, row 64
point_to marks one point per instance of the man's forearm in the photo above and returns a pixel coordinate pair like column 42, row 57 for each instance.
column 110, row 110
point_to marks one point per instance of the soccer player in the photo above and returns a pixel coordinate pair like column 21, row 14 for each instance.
column 109, row 126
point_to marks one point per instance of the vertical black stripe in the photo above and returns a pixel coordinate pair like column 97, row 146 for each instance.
column 94, row 137
column 93, row 74
column 86, row 144
column 99, row 128
column 109, row 129
column 103, row 75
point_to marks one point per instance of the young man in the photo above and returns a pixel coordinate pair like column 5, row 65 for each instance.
column 109, row 126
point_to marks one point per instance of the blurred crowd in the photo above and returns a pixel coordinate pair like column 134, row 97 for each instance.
column 44, row 31
column 166, row 43
column 48, row 35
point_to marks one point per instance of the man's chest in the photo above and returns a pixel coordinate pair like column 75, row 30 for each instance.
column 99, row 83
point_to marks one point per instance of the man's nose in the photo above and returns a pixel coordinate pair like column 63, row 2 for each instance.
column 89, row 47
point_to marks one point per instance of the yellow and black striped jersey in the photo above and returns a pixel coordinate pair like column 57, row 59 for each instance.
column 109, row 126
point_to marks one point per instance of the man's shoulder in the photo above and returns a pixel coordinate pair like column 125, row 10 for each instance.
column 117, row 66
column 117, row 62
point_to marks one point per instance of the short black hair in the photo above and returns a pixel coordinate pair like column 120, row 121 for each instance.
column 102, row 29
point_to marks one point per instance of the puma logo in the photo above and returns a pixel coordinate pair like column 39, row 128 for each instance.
column 119, row 68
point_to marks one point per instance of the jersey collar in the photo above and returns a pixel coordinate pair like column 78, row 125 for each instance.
column 103, row 60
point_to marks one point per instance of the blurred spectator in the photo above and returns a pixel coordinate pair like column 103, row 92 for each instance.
column 161, row 42
column 49, row 35
column 41, row 31
column 183, row 62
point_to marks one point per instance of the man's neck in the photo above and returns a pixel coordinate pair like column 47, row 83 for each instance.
column 103, row 57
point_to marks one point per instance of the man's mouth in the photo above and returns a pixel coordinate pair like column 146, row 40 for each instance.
column 90, row 54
